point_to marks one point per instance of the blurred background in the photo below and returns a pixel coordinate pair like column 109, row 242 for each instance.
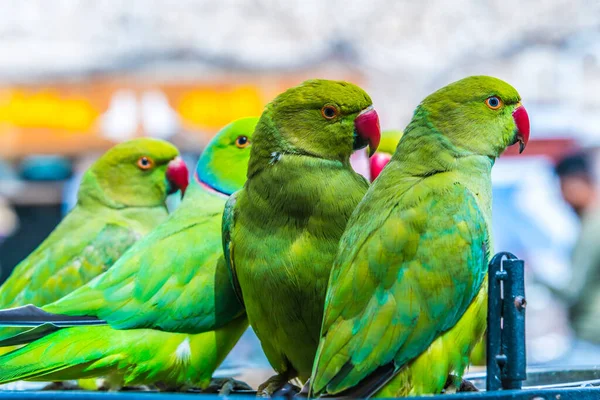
column 79, row 76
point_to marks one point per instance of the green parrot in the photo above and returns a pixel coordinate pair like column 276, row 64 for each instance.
column 383, row 155
column 407, row 296
column 281, row 231
column 175, row 279
column 387, row 146
column 121, row 198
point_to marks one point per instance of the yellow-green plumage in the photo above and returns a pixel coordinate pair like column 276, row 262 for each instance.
column 281, row 231
column 479, row 353
column 124, row 357
column 170, row 280
column 173, row 280
column 117, row 205
column 447, row 354
column 407, row 293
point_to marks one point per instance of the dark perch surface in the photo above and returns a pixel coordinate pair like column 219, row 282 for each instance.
column 550, row 394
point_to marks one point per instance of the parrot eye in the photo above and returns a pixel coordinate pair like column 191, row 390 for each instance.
column 242, row 141
column 145, row 163
column 329, row 112
column 493, row 102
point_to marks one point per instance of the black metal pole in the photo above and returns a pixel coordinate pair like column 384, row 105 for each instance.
column 513, row 330
column 506, row 361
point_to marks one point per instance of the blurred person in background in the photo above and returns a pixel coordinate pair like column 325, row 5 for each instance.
column 582, row 293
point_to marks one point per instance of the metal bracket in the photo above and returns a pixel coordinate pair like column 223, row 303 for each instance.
column 506, row 361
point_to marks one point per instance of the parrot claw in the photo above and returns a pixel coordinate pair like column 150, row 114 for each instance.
column 225, row 386
column 456, row 385
column 277, row 386
column 467, row 386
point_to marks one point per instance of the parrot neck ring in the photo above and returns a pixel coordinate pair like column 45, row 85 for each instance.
column 177, row 175
column 522, row 123
column 208, row 188
column 366, row 130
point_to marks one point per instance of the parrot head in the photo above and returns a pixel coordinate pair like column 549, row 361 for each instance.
column 319, row 118
column 137, row 173
column 479, row 114
column 387, row 147
column 224, row 163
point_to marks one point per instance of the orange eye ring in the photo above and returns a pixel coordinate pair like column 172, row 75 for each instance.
column 242, row 141
column 145, row 163
column 494, row 102
column 329, row 112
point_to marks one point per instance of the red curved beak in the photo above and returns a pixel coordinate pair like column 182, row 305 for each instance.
column 522, row 122
column 377, row 163
column 367, row 128
column 177, row 175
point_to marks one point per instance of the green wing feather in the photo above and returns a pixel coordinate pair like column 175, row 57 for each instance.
column 174, row 279
column 390, row 293
column 228, row 224
column 156, row 284
column 139, row 356
column 80, row 248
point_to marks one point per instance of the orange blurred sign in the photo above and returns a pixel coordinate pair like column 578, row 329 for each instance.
column 68, row 118
column 211, row 108
column 46, row 109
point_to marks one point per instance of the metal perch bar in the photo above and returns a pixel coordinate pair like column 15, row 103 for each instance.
column 506, row 363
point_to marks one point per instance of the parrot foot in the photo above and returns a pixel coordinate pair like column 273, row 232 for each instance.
column 456, row 385
column 278, row 386
column 225, row 386
column 467, row 386
column 62, row 385
column 288, row 391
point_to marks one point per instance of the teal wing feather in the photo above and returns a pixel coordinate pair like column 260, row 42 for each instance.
column 227, row 227
column 391, row 292
column 174, row 279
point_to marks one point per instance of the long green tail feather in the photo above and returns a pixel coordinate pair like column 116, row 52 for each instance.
column 137, row 356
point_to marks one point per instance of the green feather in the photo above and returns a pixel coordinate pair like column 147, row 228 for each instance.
column 407, row 288
column 100, row 228
column 174, row 280
column 156, row 284
column 281, row 231
column 125, row 357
